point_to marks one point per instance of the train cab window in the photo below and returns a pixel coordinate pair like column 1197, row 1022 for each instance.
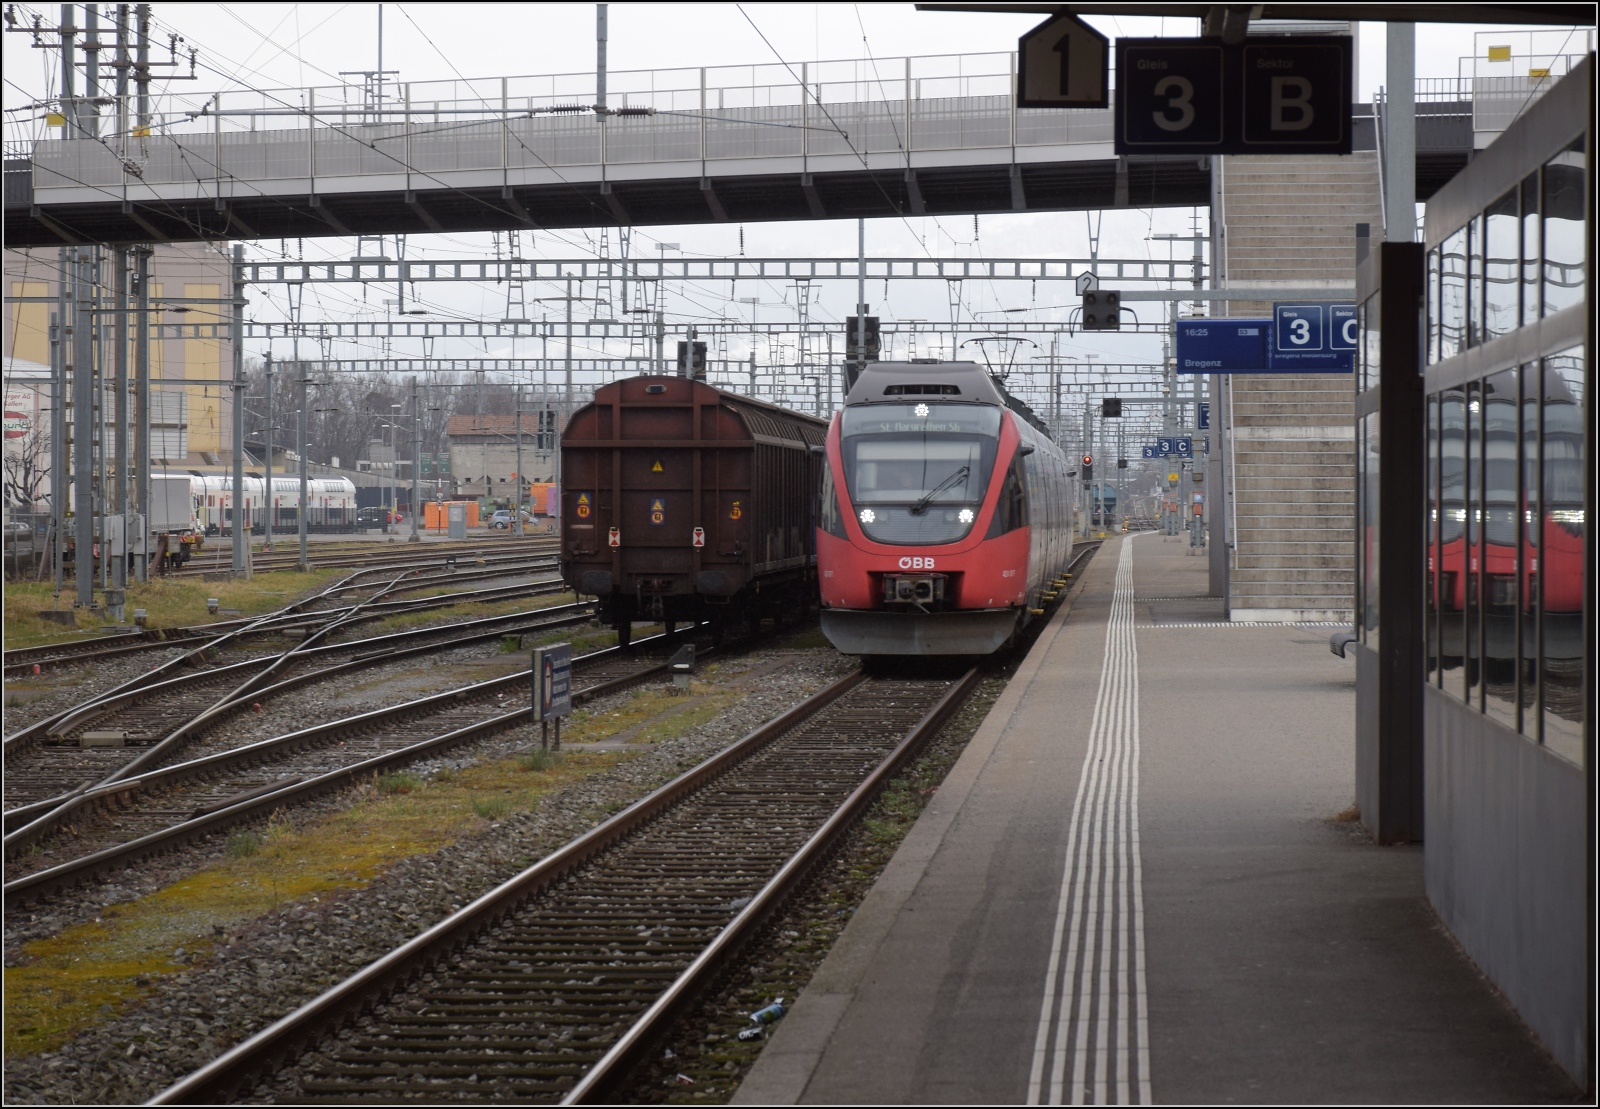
column 917, row 473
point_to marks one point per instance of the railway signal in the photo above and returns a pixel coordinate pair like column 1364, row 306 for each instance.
column 1088, row 468
column 1102, row 310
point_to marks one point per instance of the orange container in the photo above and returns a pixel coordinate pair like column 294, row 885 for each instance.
column 436, row 515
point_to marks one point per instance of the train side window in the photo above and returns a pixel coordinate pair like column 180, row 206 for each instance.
column 1563, row 554
column 1011, row 512
column 829, row 518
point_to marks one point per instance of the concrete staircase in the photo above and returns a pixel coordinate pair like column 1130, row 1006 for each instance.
column 1291, row 221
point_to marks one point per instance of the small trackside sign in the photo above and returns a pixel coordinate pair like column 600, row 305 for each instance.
column 699, row 537
column 615, row 538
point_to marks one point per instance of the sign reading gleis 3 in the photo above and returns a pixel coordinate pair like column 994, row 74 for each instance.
column 1287, row 94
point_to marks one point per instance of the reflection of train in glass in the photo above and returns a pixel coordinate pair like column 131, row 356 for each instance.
column 1489, row 510
column 331, row 503
column 946, row 514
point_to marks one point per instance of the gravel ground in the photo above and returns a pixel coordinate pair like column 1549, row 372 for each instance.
column 267, row 968
column 66, row 686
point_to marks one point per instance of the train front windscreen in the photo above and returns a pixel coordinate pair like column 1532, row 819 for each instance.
column 916, row 473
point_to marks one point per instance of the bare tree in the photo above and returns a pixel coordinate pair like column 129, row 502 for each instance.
column 27, row 468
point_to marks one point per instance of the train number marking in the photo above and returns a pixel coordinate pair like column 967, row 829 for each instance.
column 910, row 563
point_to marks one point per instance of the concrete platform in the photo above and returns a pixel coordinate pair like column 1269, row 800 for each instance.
column 1132, row 888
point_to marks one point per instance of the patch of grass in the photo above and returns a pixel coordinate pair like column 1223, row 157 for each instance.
column 169, row 602
column 402, row 781
column 243, row 844
column 538, row 759
column 510, row 644
column 642, row 706
column 491, row 808
column 88, row 973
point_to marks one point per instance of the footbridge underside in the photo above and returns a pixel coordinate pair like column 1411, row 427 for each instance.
column 344, row 176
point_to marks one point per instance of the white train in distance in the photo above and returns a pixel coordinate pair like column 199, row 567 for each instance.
column 331, row 503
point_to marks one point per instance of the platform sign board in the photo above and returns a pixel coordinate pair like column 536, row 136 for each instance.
column 1221, row 346
column 1205, row 415
column 552, row 681
column 1303, row 338
column 1279, row 94
column 1063, row 63
column 1171, row 446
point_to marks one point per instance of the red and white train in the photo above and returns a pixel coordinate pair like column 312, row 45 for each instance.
column 946, row 513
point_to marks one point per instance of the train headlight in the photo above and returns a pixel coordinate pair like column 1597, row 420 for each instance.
column 867, row 515
column 921, row 410
column 965, row 515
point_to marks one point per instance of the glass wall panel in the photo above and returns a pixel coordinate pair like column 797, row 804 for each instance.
column 1564, row 235
column 1530, row 248
column 1431, row 500
column 1530, row 516
column 1452, row 294
column 1369, row 528
column 1472, row 605
column 1452, row 534
column 1562, row 554
column 1501, row 402
column 1433, row 306
column 1475, row 281
column 1500, row 266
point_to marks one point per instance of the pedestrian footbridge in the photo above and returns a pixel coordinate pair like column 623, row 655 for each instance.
column 867, row 138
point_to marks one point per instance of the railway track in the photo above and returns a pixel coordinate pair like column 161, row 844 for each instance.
column 354, row 554
column 185, row 707
column 552, row 986
column 306, row 628
column 123, row 822
column 37, row 659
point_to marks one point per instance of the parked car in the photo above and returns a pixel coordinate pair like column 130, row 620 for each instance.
column 373, row 517
column 502, row 518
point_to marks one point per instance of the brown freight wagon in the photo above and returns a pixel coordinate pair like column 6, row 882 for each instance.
column 681, row 502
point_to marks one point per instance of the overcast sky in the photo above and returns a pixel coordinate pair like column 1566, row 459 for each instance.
column 291, row 45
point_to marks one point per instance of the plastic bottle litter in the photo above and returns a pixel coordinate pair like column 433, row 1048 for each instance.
column 750, row 1035
column 683, row 1080
column 771, row 1013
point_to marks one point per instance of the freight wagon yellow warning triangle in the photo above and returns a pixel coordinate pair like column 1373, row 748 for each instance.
column 656, row 467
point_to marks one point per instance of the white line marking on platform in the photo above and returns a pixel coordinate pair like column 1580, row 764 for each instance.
column 1087, row 982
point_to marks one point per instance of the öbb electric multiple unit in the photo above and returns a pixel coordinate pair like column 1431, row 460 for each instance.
column 946, row 513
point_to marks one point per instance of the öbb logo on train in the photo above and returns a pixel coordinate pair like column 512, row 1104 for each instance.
column 916, row 564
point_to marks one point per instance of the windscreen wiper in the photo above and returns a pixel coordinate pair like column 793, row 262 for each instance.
column 922, row 504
